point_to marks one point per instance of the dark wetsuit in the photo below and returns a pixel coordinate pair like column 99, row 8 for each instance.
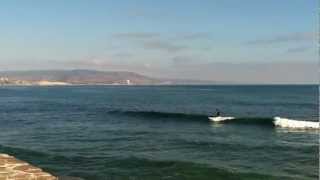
column 217, row 113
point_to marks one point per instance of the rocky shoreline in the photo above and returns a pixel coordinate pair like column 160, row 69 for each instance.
column 14, row 169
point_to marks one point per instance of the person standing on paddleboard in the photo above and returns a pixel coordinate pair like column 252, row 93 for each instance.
column 217, row 113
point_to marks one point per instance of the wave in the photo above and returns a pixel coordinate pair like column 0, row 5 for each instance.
column 275, row 122
column 100, row 167
column 189, row 116
column 296, row 124
column 158, row 114
column 186, row 116
column 253, row 121
column 145, row 168
column 261, row 121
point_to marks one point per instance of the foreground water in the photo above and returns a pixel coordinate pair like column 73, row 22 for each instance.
column 161, row 132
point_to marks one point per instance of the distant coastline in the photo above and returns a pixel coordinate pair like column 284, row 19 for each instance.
column 85, row 77
column 103, row 78
column 72, row 77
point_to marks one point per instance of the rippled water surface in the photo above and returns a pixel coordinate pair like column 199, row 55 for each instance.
column 161, row 132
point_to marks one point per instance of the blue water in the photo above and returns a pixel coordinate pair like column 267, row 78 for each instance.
column 161, row 132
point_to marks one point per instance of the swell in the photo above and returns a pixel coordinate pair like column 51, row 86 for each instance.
column 238, row 147
column 95, row 167
column 158, row 114
column 259, row 121
column 196, row 117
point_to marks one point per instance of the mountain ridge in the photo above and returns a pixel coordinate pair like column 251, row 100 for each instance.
column 88, row 77
column 78, row 76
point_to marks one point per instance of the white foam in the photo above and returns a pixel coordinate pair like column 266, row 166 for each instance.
column 220, row 118
column 290, row 123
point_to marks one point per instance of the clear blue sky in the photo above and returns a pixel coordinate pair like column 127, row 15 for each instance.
column 168, row 38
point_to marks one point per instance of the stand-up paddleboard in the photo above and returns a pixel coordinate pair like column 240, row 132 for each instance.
column 220, row 118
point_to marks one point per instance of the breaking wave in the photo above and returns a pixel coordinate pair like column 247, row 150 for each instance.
column 296, row 124
column 186, row 116
column 261, row 121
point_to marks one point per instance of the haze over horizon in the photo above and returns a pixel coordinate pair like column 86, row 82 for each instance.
column 238, row 41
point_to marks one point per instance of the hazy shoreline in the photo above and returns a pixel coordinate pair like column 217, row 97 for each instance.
column 132, row 85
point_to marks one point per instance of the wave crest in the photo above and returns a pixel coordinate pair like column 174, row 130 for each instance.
column 290, row 123
column 158, row 114
column 261, row 121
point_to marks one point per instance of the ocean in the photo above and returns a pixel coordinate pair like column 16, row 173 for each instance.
column 162, row 132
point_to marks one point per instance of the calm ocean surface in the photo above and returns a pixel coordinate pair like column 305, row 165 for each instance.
column 161, row 132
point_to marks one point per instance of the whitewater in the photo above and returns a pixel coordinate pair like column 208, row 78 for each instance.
column 277, row 121
column 296, row 124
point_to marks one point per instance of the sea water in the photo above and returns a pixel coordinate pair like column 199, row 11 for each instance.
column 161, row 132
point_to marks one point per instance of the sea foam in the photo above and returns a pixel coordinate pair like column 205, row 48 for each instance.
column 219, row 118
column 290, row 123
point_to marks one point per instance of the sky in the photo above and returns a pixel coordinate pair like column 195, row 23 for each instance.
column 267, row 41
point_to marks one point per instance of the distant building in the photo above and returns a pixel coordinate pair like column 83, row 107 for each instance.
column 4, row 80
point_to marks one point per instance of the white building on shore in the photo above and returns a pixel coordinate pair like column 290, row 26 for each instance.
column 4, row 80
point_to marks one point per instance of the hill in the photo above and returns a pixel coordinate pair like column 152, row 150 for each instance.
column 62, row 77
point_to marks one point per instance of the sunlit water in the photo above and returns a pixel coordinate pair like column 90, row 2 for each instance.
column 161, row 132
